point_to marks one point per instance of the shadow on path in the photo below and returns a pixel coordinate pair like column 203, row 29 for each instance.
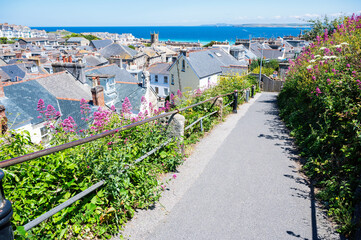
column 286, row 143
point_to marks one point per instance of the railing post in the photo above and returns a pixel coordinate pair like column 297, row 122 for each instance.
column 247, row 94
column 202, row 125
column 235, row 101
column 252, row 91
column 219, row 103
column 6, row 212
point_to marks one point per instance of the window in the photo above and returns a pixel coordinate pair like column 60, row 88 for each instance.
column 157, row 90
column 166, row 92
column 156, row 78
column 172, row 79
column 183, row 65
column 44, row 134
column 165, row 79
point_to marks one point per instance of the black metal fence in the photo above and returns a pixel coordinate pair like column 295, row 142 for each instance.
column 6, row 211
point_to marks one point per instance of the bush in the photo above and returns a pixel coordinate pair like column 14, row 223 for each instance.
column 321, row 103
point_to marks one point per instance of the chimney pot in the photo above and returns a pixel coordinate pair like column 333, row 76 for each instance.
column 98, row 96
column 2, row 93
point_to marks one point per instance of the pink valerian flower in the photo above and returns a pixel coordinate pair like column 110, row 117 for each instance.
column 325, row 36
column 163, row 187
column 174, row 176
column 318, row 91
column 112, row 108
column 198, row 92
column 41, row 106
column 101, row 119
column 126, row 106
column 358, row 82
column 348, row 65
column 167, row 106
column 328, row 81
column 50, row 113
column 68, row 124
column 171, row 97
column 110, row 143
column 313, row 78
column 179, row 93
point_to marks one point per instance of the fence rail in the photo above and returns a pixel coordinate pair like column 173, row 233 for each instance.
column 5, row 229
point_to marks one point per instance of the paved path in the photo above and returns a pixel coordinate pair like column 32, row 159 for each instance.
column 242, row 182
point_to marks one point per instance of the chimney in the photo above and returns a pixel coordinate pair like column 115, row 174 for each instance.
column 98, row 96
column 64, row 59
column 184, row 52
column 18, row 55
column 3, row 120
column 70, row 59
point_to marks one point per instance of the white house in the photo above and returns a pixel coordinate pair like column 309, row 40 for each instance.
column 159, row 78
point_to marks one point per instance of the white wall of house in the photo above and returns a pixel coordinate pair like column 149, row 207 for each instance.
column 208, row 82
column 160, row 84
column 36, row 134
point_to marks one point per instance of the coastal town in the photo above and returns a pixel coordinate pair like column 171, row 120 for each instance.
column 63, row 70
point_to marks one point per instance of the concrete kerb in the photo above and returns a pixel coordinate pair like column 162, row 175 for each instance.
column 145, row 222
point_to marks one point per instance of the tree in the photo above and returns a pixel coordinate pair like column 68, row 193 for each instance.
column 132, row 47
column 319, row 26
column 210, row 44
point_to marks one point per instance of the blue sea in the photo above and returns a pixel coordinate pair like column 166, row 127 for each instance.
column 202, row 34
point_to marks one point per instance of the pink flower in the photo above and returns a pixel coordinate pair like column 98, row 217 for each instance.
column 179, row 93
column 163, row 187
column 174, row 176
column 126, row 106
column 113, row 108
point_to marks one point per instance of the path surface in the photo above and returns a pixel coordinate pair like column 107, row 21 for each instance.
column 242, row 182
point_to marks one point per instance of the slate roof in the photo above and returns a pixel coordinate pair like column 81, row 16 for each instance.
column 116, row 49
column 21, row 102
column 76, row 39
column 91, row 60
column 13, row 71
column 272, row 54
column 133, row 92
column 159, row 68
column 4, row 76
column 209, row 62
column 121, row 75
column 99, row 44
column 64, row 85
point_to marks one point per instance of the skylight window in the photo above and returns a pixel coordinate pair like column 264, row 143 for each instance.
column 218, row 54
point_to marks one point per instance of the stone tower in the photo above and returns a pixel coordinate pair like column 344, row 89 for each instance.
column 154, row 38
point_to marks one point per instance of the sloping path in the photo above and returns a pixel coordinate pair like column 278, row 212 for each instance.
column 242, row 182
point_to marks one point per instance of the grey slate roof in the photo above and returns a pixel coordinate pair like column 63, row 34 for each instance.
column 134, row 94
column 64, row 85
column 121, row 75
column 99, row 44
column 117, row 49
column 272, row 54
column 13, row 71
column 3, row 76
column 209, row 62
column 91, row 60
column 21, row 101
column 77, row 39
column 159, row 68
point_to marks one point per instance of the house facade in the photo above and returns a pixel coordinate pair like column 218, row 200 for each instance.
column 160, row 78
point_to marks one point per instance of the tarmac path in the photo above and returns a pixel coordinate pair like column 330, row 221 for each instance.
column 241, row 182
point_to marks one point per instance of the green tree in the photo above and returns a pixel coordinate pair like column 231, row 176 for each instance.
column 319, row 25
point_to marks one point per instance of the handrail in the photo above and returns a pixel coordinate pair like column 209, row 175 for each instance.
column 44, row 152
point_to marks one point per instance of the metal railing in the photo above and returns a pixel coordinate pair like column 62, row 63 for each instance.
column 5, row 205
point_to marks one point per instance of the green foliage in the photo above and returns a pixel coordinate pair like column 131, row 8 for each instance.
column 321, row 103
column 36, row 186
column 319, row 25
column 5, row 40
column 265, row 71
column 88, row 37
column 132, row 47
column 273, row 63
column 210, row 44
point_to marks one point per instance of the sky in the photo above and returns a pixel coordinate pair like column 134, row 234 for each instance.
column 168, row 13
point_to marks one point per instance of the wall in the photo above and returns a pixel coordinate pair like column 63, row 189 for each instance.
column 208, row 81
column 160, row 84
column 183, row 80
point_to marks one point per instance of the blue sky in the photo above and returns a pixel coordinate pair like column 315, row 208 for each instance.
column 167, row 12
